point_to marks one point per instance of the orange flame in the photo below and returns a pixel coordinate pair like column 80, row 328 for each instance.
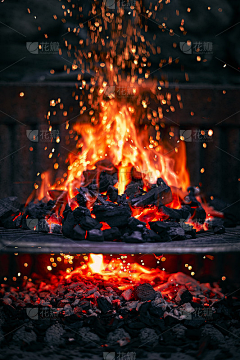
column 117, row 139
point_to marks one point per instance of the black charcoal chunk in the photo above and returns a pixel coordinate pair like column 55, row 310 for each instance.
column 82, row 196
column 111, row 234
column 114, row 216
column 39, row 210
column 150, row 235
column 159, row 227
column 95, row 235
column 122, row 199
column 176, row 232
column 78, row 233
column 104, row 305
column 80, row 212
column 105, row 180
column 145, row 292
column 199, row 215
column 68, row 222
column 112, row 192
column 8, row 206
column 177, row 214
column 135, row 237
column 134, row 188
column 133, row 223
column 160, row 194
column 184, row 297
column 11, row 222
column 89, row 223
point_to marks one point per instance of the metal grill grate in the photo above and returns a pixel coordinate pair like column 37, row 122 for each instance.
column 24, row 241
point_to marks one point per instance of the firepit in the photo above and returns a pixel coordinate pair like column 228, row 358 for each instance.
column 119, row 227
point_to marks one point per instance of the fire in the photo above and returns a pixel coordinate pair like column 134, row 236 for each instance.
column 96, row 264
column 122, row 274
column 117, row 138
column 129, row 272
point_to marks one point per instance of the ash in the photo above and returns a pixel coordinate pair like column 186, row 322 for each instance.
column 180, row 319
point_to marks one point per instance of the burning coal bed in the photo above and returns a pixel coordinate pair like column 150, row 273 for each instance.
column 97, row 309
column 143, row 213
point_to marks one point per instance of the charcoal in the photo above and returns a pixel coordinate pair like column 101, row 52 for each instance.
column 122, row 199
column 189, row 229
column 148, row 336
column 176, row 232
column 80, row 212
column 88, row 337
column 39, row 210
column 152, row 236
column 135, row 237
column 133, row 223
column 68, row 224
column 147, row 319
column 54, row 335
column 183, row 296
column 111, row 234
column 78, row 233
column 127, row 294
column 104, row 305
column 156, row 311
column 21, row 335
column 159, row 227
column 191, row 200
column 160, row 194
column 215, row 336
column 11, row 222
column 194, row 323
column 114, row 216
column 145, row 292
column 89, row 223
column 133, row 189
column 105, row 180
column 177, row 214
column 95, row 235
column 199, row 215
column 82, row 196
column 117, row 335
column 193, row 334
column 112, row 192
column 144, row 307
column 8, row 206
